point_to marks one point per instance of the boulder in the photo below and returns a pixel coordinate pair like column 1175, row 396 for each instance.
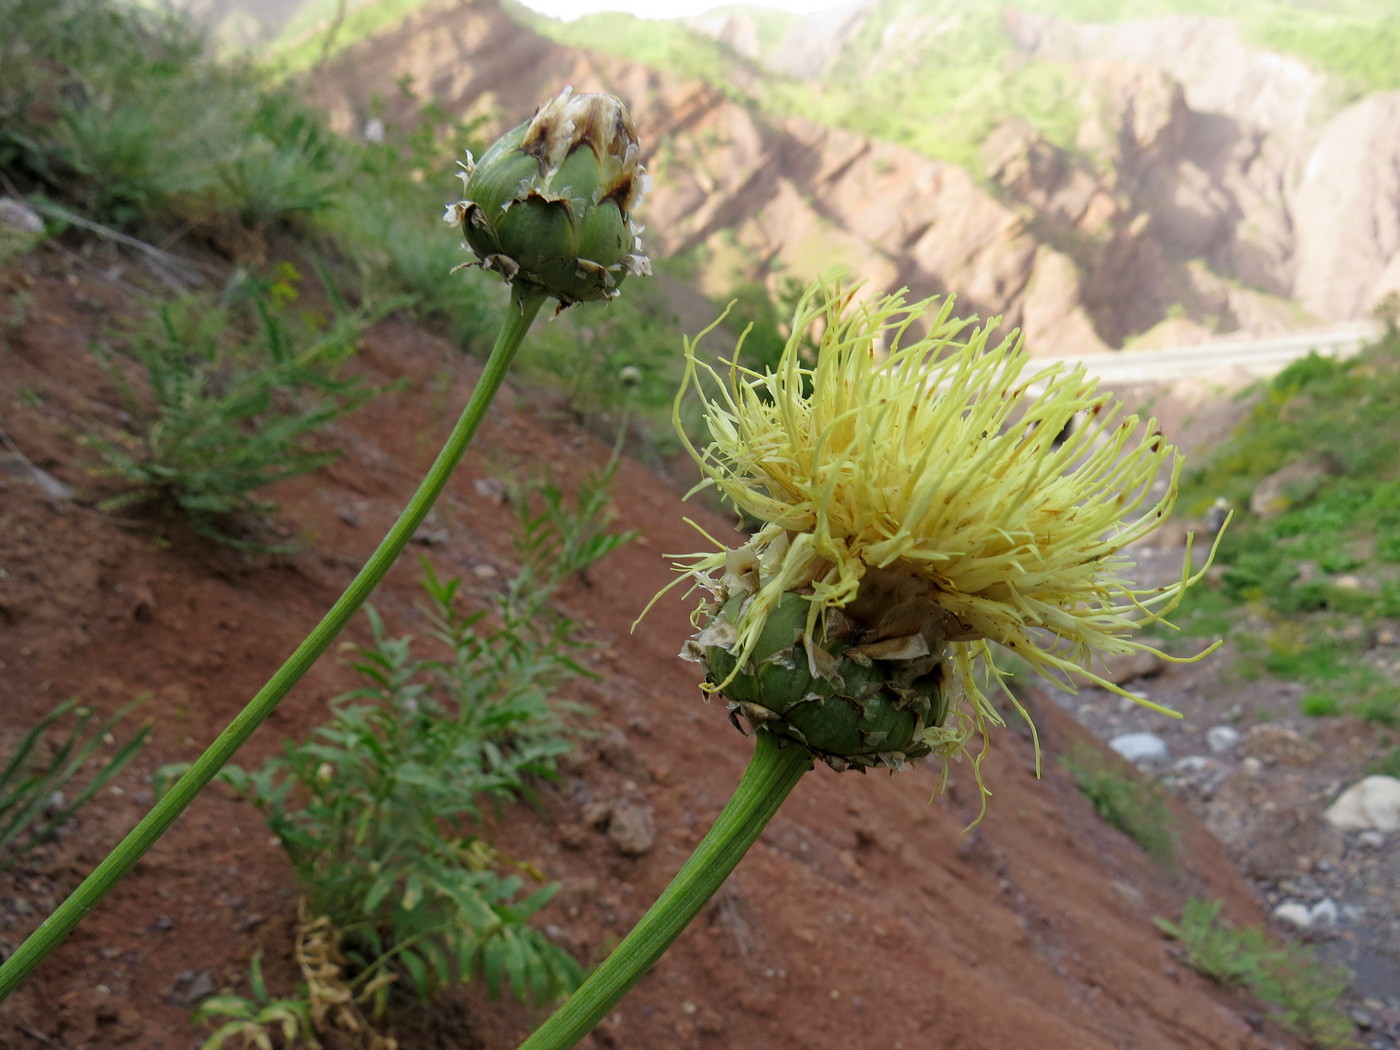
column 1371, row 804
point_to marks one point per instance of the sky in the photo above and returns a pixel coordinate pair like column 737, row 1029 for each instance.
column 566, row 10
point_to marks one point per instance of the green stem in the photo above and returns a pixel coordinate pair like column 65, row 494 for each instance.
column 773, row 772
column 523, row 308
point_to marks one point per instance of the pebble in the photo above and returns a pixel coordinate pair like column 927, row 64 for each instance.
column 1294, row 913
column 1324, row 912
column 1141, row 748
column 631, row 829
column 1222, row 739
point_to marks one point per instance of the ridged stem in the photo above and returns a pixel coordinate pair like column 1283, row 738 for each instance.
column 523, row 308
column 771, row 775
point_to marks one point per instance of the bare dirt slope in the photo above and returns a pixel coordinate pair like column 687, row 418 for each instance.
column 865, row 918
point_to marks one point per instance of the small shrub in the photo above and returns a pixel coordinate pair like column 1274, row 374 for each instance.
column 32, row 781
column 1319, row 705
column 1304, row 989
column 375, row 811
column 1135, row 806
column 226, row 404
column 1222, row 953
column 372, row 810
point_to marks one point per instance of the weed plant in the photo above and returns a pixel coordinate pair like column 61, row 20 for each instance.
column 228, row 399
column 372, row 810
column 246, row 1020
column 376, row 809
column 34, row 779
column 1132, row 804
column 1303, row 989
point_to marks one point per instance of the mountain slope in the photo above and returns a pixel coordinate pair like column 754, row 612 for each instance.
column 1187, row 193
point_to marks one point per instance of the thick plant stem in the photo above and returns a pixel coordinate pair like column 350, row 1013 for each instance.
column 773, row 772
column 523, row 308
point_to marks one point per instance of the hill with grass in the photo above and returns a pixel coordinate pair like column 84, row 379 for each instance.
column 1098, row 175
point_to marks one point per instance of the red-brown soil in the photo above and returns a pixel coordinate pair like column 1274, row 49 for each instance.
column 865, row 918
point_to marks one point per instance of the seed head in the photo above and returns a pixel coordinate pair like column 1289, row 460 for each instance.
column 550, row 204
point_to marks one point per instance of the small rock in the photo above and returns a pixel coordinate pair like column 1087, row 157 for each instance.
column 1221, row 739
column 492, row 489
column 1323, row 913
column 1294, row 913
column 597, row 813
column 1371, row 804
column 1192, row 764
column 17, row 467
column 192, row 986
column 20, row 217
column 1276, row 745
column 348, row 517
column 1371, row 839
column 1141, row 748
column 631, row 829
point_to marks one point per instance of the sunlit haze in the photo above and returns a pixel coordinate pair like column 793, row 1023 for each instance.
column 567, row 10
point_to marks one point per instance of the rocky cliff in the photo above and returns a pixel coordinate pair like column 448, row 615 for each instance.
column 1204, row 193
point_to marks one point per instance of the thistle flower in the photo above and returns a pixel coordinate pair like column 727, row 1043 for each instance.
column 917, row 506
column 550, row 204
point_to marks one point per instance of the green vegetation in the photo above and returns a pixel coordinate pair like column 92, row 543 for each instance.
column 117, row 120
column 229, row 400
column 950, row 74
column 1303, row 989
column 1356, row 43
column 1134, row 805
column 376, row 809
column 1299, row 587
column 33, row 780
column 373, row 809
column 1386, row 766
column 250, row 1018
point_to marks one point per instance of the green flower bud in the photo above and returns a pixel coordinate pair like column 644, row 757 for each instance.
column 550, row 204
column 850, row 705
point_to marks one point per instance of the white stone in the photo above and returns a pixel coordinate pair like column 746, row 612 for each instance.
column 1192, row 764
column 1141, row 748
column 1371, row 804
column 1294, row 913
column 1221, row 739
column 1323, row 913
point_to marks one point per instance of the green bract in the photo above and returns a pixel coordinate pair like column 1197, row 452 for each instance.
column 847, row 708
column 550, row 204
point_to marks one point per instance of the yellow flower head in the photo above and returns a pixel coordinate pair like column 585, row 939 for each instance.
column 920, row 498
